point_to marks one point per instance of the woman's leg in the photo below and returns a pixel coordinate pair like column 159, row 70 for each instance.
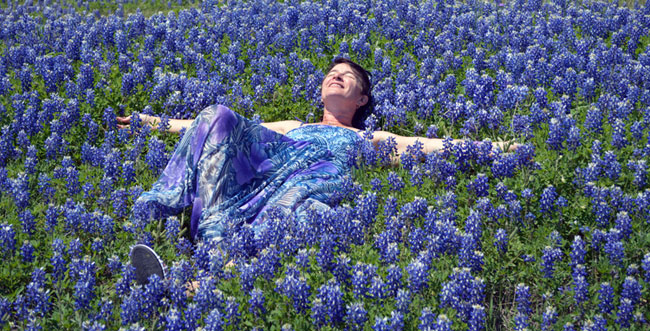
column 178, row 185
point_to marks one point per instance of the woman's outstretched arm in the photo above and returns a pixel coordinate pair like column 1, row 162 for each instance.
column 175, row 125
column 430, row 145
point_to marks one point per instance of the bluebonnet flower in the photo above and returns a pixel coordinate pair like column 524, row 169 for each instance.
column 119, row 199
column 84, row 288
column 114, row 265
column 443, row 323
column 501, row 241
column 366, row 208
column 172, row 228
column 640, row 169
column 123, row 286
column 578, row 252
column 386, row 150
column 269, row 261
column 611, row 165
column 602, row 211
column 396, row 321
column 414, row 153
column 393, row 279
column 417, row 276
column 470, row 256
column 376, row 185
column 522, row 297
column 214, row 321
column 318, row 313
column 325, row 253
column 128, row 173
column 331, row 296
column 624, row 224
column 573, row 138
column 547, row 200
column 598, row 237
column 37, row 298
column 391, row 253
column 580, row 284
column 632, row 270
column 549, row 318
column 232, row 312
column 598, row 324
column 28, row 222
column 594, row 120
column 381, row 324
column 156, row 157
column 646, row 267
column 202, row 254
column 427, row 320
column 256, row 302
column 637, row 130
column 356, row 316
column 618, row 135
column 302, row 259
column 568, row 327
column 131, row 307
column 557, row 133
column 416, row 240
column 7, row 239
column 521, row 125
column 295, row 287
column 631, row 290
column 477, row 318
column 361, row 276
column 183, row 246
column 208, row 297
column 638, row 319
column 479, row 186
column 550, row 255
column 417, row 175
column 20, row 191
column 27, row 252
column 625, row 311
column 461, row 292
column 75, row 248
column 173, row 320
column 403, row 300
column 395, row 182
column 614, row 247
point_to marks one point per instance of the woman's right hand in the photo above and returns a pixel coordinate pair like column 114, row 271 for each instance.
column 123, row 122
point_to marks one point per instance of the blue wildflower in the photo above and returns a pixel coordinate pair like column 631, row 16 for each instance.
column 214, row 321
column 477, row 318
column 549, row 318
column 395, row 182
column 27, row 252
column 501, row 241
column 356, row 316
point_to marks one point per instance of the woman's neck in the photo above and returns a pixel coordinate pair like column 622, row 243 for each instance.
column 336, row 120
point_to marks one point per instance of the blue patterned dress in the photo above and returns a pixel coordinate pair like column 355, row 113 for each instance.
column 232, row 171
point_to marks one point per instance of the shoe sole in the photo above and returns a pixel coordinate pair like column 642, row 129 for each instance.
column 146, row 263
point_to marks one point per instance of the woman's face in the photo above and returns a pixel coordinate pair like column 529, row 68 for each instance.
column 342, row 88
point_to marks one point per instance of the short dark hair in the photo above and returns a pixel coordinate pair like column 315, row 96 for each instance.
column 358, row 121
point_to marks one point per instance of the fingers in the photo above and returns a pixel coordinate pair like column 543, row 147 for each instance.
column 124, row 120
column 513, row 147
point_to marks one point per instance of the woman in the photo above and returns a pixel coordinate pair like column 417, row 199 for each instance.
column 232, row 171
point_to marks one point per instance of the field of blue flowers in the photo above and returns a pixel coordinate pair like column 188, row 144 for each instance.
column 555, row 236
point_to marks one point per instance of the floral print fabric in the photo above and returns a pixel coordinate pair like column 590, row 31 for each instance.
column 232, row 170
